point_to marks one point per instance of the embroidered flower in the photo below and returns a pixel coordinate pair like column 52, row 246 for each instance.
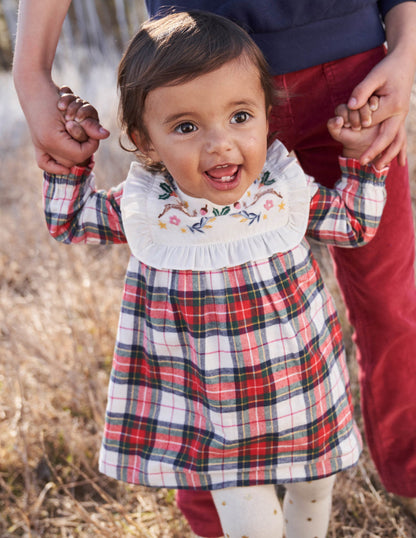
column 175, row 220
column 268, row 205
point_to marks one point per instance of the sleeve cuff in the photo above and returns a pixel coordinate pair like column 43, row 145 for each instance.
column 364, row 172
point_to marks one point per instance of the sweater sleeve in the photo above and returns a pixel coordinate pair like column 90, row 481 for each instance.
column 386, row 5
column 76, row 212
column 349, row 214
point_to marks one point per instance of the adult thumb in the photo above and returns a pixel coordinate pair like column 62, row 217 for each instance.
column 364, row 90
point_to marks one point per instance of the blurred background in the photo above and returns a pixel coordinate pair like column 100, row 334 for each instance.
column 59, row 308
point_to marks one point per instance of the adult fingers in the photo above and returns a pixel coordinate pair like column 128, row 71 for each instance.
column 391, row 141
column 361, row 94
column 396, row 149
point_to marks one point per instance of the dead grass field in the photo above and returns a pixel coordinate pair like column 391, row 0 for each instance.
column 59, row 307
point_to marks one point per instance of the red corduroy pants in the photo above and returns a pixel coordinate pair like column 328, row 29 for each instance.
column 377, row 282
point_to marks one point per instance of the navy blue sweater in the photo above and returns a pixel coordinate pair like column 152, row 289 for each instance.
column 295, row 34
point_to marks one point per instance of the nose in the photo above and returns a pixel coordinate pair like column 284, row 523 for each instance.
column 218, row 140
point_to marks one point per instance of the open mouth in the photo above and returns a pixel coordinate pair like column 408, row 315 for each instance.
column 224, row 177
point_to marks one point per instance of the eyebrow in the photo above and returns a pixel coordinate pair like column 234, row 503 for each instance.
column 235, row 104
column 175, row 117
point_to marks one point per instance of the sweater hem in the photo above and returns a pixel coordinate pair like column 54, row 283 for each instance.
column 338, row 38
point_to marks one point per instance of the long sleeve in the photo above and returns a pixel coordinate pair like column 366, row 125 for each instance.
column 349, row 214
column 76, row 212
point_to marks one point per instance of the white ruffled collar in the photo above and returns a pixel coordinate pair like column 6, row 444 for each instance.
column 167, row 229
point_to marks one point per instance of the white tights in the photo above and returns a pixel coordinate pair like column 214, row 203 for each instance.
column 255, row 512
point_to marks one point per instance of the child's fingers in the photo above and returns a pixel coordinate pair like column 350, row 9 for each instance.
column 373, row 103
column 90, row 128
column 64, row 89
column 94, row 129
column 365, row 116
column 342, row 111
column 335, row 126
column 73, row 108
column 354, row 119
column 65, row 100
column 86, row 111
column 76, row 131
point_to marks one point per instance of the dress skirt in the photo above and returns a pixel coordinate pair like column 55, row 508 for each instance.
column 228, row 377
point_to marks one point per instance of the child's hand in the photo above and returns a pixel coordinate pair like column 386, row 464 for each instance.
column 81, row 118
column 360, row 118
column 357, row 140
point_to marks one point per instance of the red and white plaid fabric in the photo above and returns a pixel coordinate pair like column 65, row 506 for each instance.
column 233, row 376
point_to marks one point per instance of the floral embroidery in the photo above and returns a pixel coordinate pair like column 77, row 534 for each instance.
column 203, row 223
column 168, row 191
column 250, row 217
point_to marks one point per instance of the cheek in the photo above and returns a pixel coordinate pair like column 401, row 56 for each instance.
column 256, row 147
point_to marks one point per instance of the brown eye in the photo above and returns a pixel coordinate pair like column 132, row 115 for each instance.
column 240, row 117
column 185, row 128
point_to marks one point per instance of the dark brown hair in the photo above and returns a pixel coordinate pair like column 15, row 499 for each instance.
column 176, row 49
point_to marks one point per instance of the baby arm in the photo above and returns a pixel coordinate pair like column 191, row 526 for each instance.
column 349, row 214
column 76, row 212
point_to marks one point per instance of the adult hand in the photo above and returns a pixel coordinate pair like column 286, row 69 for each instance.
column 55, row 149
column 391, row 80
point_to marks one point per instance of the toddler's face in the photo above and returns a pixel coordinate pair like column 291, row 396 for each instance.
column 211, row 132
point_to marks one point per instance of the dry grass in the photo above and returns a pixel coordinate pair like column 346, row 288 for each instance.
column 58, row 317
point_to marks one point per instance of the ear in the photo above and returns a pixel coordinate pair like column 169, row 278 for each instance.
column 145, row 146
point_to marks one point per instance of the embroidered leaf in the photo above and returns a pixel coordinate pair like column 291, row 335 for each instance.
column 265, row 179
column 224, row 211
column 252, row 217
column 198, row 226
column 168, row 191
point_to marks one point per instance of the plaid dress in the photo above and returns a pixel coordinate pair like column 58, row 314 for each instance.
column 231, row 375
